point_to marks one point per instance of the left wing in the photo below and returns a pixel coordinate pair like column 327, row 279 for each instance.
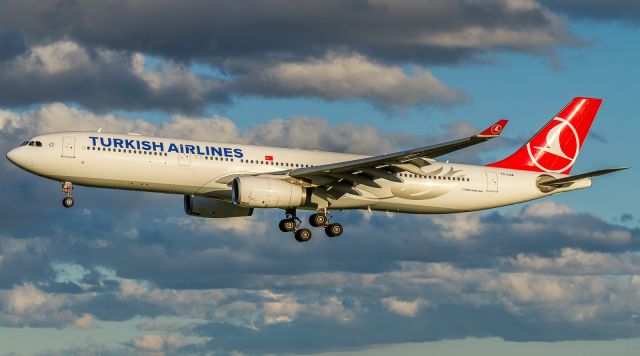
column 343, row 176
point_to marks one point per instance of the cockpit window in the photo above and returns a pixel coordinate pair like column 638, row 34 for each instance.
column 38, row 144
column 33, row 144
column 24, row 143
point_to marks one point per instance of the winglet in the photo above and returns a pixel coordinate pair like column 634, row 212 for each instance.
column 494, row 130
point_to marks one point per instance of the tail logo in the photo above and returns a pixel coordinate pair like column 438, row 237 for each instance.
column 559, row 149
column 496, row 129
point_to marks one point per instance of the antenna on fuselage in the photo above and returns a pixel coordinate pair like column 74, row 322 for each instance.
column 100, row 130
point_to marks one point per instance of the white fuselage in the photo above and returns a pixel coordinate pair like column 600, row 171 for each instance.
column 124, row 161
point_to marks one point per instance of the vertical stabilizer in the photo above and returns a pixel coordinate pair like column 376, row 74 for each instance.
column 555, row 148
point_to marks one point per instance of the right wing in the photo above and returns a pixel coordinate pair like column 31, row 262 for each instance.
column 340, row 178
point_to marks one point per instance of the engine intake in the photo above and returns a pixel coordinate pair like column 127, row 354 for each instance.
column 257, row 192
column 212, row 208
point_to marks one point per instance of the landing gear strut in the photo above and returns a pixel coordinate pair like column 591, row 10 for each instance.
column 67, row 187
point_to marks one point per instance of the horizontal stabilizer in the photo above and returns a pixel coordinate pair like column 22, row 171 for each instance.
column 570, row 179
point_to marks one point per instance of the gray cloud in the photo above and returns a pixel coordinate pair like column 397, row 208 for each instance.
column 348, row 77
column 406, row 31
column 11, row 44
column 99, row 79
column 612, row 10
column 103, row 79
column 355, row 50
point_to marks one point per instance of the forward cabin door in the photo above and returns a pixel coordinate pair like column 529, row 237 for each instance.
column 69, row 147
column 492, row 182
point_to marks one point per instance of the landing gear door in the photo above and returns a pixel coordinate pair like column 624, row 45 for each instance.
column 69, row 147
column 492, row 182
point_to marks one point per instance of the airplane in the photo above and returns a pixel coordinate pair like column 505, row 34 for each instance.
column 224, row 180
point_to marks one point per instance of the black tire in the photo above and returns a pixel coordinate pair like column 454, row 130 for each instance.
column 303, row 235
column 334, row 230
column 281, row 226
column 67, row 202
column 317, row 219
column 288, row 225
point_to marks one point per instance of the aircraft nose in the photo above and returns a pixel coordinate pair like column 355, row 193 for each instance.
column 11, row 156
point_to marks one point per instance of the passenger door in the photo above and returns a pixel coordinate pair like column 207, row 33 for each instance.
column 69, row 147
column 492, row 182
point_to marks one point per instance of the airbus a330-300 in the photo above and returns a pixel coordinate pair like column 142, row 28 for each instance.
column 224, row 180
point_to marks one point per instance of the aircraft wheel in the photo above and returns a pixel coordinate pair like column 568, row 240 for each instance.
column 317, row 219
column 303, row 235
column 334, row 230
column 67, row 202
column 287, row 225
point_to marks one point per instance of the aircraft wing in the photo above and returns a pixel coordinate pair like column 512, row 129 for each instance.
column 341, row 177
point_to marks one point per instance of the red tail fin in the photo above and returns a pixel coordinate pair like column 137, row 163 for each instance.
column 555, row 148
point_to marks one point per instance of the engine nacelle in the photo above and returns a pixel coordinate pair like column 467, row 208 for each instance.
column 257, row 192
column 212, row 208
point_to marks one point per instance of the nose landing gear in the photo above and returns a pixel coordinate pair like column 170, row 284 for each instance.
column 67, row 187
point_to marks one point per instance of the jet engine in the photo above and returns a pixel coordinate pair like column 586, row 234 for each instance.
column 212, row 208
column 257, row 192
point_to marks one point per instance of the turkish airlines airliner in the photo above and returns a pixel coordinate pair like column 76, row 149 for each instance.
column 220, row 180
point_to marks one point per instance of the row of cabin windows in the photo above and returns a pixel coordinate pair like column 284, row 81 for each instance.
column 275, row 163
column 123, row 150
column 249, row 161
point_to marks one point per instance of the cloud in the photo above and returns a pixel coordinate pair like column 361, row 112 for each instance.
column 102, row 79
column 614, row 10
column 164, row 57
column 157, row 343
column 403, row 307
column 340, row 77
column 84, row 322
column 407, row 31
column 27, row 305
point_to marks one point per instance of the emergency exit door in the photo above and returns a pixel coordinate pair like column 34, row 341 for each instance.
column 492, row 182
column 69, row 147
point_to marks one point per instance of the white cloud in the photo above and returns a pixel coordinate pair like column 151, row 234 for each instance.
column 459, row 226
column 53, row 58
column 340, row 77
column 281, row 311
column 26, row 305
column 546, row 209
column 159, row 343
column 404, row 307
column 84, row 322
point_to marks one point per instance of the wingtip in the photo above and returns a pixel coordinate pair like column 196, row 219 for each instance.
column 495, row 129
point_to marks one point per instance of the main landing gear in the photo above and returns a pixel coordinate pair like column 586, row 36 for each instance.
column 322, row 218
column 67, row 187
column 291, row 223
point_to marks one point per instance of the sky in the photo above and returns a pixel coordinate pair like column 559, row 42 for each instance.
column 128, row 272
